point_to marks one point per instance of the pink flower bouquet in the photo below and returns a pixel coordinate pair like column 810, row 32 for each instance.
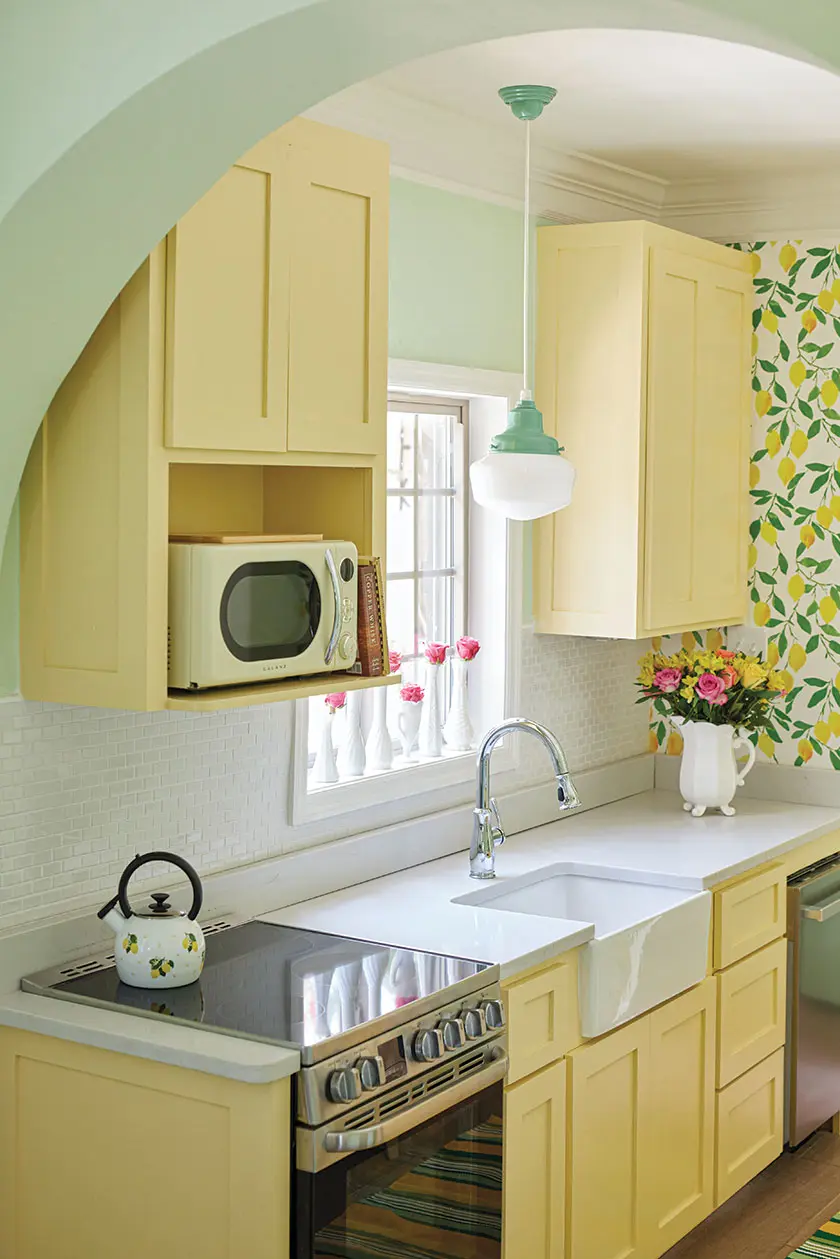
column 394, row 661
column 335, row 700
column 468, row 648
column 411, row 693
column 435, row 653
column 721, row 687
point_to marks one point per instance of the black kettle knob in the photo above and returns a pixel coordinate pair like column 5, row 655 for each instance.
column 161, row 905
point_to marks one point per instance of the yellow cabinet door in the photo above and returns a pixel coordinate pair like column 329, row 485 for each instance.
column 533, row 1207
column 338, row 303
column 609, row 1154
column 678, row 1189
column 750, row 1125
column 698, row 415
column 227, row 310
column 543, row 1018
column 751, row 1010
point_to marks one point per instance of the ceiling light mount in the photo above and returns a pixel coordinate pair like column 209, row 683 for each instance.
column 527, row 100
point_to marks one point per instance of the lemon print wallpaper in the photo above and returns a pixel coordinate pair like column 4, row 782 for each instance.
column 794, row 542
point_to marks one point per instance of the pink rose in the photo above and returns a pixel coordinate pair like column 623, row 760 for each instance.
column 394, row 661
column 667, row 679
column 711, row 688
column 336, row 700
column 468, row 648
column 729, row 675
column 436, row 652
column 413, row 694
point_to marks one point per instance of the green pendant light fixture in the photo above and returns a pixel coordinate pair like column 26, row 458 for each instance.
column 525, row 475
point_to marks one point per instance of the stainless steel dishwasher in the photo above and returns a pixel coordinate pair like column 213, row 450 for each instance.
column 813, row 1003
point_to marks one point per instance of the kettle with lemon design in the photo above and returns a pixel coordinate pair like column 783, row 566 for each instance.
column 163, row 947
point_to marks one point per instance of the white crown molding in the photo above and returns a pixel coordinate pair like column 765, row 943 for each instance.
column 439, row 147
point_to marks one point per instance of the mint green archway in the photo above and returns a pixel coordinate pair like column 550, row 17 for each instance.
column 116, row 117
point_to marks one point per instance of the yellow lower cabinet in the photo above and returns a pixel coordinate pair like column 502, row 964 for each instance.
column 535, row 1166
column 678, row 1187
column 608, row 1146
column 750, row 1125
column 542, row 1015
column 102, row 1154
column 751, row 1011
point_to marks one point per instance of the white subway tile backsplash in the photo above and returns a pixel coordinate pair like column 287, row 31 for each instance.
column 82, row 790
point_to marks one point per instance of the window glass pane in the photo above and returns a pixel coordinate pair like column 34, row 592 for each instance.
column 400, row 450
column 434, row 610
column 434, row 531
column 401, row 514
column 435, row 455
column 400, row 603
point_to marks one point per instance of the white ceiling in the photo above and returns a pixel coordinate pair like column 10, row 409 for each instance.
column 675, row 107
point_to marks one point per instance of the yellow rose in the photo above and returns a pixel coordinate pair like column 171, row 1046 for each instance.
column 754, row 675
column 775, row 681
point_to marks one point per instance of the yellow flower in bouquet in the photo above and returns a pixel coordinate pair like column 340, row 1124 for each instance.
column 753, row 675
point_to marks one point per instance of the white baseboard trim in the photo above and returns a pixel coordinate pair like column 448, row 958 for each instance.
column 300, row 876
column 787, row 783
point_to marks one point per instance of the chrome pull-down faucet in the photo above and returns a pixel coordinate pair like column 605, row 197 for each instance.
column 488, row 831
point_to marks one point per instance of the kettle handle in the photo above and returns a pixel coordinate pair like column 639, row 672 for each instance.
column 172, row 859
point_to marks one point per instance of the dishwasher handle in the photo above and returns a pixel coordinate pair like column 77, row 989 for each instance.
column 823, row 910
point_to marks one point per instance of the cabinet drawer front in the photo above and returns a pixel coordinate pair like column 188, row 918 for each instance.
column 749, row 915
column 751, row 1011
column 534, row 1207
column 542, row 1016
column 750, row 1125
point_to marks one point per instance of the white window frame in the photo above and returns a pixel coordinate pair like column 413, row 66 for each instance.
column 489, row 394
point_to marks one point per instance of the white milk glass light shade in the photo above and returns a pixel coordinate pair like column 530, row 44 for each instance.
column 522, row 487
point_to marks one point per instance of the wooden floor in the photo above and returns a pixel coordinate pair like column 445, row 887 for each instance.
column 774, row 1214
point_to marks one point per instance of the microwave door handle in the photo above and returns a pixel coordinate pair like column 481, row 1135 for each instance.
column 336, row 589
column 351, row 1141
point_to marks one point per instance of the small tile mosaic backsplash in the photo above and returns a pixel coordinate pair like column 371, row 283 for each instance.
column 83, row 789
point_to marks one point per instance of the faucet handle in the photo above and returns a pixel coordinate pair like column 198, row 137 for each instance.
column 499, row 835
column 567, row 796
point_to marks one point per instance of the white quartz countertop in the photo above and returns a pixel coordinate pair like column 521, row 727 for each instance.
column 647, row 835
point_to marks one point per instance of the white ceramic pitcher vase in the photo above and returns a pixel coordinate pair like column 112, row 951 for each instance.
column 709, row 773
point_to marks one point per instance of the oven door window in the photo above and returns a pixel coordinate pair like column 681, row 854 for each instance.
column 434, row 1193
column 270, row 610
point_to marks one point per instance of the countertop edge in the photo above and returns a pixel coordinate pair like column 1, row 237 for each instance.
column 541, row 954
column 779, row 850
column 232, row 1057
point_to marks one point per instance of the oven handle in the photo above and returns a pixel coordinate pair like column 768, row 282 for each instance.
column 823, row 910
column 336, row 589
column 381, row 1133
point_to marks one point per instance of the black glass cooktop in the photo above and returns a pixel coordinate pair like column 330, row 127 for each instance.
column 281, row 984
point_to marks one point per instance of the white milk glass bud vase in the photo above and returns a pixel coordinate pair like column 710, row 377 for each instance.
column 408, row 723
column 457, row 729
column 430, row 739
column 324, row 769
column 351, row 754
column 379, row 749
column 709, row 773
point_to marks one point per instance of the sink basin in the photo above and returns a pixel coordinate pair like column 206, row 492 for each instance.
column 651, row 941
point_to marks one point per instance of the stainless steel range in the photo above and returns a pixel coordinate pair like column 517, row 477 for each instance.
column 398, row 1136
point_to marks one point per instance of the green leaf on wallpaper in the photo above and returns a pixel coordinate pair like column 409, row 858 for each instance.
column 759, row 454
column 754, row 595
column 755, row 529
column 818, row 252
column 756, row 384
column 784, row 430
column 783, row 564
column 776, row 308
column 835, row 758
column 810, row 347
column 817, row 698
column 813, row 429
column 784, row 349
column 778, row 605
column 836, row 323
column 803, row 623
column 767, row 366
column 823, row 567
column 835, row 376
column 819, row 314
column 820, row 268
column 814, row 681
column 807, row 411
column 824, row 349
column 782, row 643
column 835, row 594
column 835, row 542
column 816, row 745
column 756, row 318
column 779, row 391
column 782, row 503
column 814, row 394
column 761, row 285
column 813, row 608
column 812, row 644
column 831, row 631
column 768, row 578
column 800, row 550
column 774, row 734
column 835, row 694
column 817, row 467
column 800, row 305
column 775, row 411
column 819, row 482
column 756, row 245
column 774, row 520
column 773, row 622
column 760, row 496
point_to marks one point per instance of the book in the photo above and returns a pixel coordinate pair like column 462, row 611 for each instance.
column 371, row 633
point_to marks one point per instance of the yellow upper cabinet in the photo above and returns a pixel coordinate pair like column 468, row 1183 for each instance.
column 277, row 292
column 643, row 373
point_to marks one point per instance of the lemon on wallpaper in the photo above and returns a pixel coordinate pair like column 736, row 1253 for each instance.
column 766, row 745
column 770, row 320
column 787, row 256
column 772, row 655
column 809, row 320
column 807, row 535
column 804, row 749
column 798, row 372
column 822, row 731
column 797, row 656
column 688, row 641
column 787, row 678
column 772, row 442
column 828, row 608
column 754, row 344
column 829, row 392
column 675, row 743
column 761, row 613
column 824, row 516
column 755, row 475
column 796, row 586
column 755, row 263
column 798, row 444
column 768, row 532
column 786, row 470
column 834, row 722
column 653, row 742
column 835, row 288
column 762, row 406
column 825, row 299
column 835, row 506
column 752, row 556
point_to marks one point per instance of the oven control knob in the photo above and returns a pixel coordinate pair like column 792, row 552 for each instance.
column 371, row 1072
column 347, row 647
column 494, row 1013
column 454, row 1033
column 428, row 1044
column 344, row 1085
column 475, row 1023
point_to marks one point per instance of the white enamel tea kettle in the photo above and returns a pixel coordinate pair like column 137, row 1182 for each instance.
column 164, row 947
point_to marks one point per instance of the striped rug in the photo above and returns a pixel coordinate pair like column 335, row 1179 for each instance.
column 825, row 1243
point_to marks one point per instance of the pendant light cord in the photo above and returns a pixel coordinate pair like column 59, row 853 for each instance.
column 527, row 390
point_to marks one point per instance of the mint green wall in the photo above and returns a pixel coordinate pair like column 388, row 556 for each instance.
column 456, row 279
column 9, row 608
